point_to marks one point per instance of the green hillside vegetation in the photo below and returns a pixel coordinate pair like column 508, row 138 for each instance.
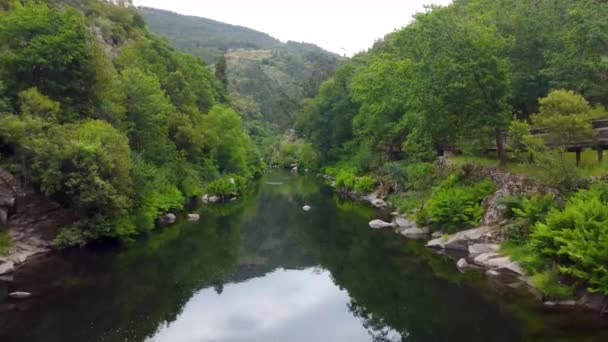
column 106, row 118
column 452, row 83
column 268, row 79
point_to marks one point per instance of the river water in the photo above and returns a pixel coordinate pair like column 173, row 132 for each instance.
column 263, row 269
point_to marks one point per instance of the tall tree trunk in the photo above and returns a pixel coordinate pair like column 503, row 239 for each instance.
column 500, row 147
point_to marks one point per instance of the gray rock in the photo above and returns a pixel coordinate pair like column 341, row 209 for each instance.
column 461, row 240
column 7, row 267
column 483, row 259
column 306, row 208
column 438, row 243
column 379, row 224
column 437, row 234
column 593, row 301
column 415, row 231
column 481, row 248
column 462, row 263
column 20, row 295
column 492, row 273
column 570, row 303
column 378, row 203
column 499, row 262
column 3, row 217
column 7, row 201
column 402, row 222
column 168, row 218
column 213, row 199
column 205, row 198
column 193, row 217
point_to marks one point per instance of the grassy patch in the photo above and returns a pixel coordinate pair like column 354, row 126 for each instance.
column 4, row 242
column 589, row 165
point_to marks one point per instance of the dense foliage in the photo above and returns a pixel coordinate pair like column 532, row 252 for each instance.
column 108, row 119
column 453, row 79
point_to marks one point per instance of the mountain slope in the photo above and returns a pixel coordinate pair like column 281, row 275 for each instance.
column 268, row 79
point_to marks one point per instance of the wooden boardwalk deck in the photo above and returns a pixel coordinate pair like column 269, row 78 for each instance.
column 599, row 141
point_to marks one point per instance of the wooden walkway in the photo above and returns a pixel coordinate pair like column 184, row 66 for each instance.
column 599, row 142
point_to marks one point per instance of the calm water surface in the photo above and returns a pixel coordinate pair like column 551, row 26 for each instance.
column 262, row 269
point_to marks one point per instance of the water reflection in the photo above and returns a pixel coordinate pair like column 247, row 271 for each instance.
column 284, row 305
column 262, row 269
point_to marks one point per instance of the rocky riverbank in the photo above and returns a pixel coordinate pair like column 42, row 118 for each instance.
column 31, row 222
column 480, row 248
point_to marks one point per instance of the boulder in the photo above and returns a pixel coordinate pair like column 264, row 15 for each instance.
column 306, row 208
column 437, row 234
column 205, row 198
column 402, row 222
column 19, row 295
column 213, row 199
column 379, row 224
column 3, row 217
column 7, row 201
column 461, row 240
column 168, row 218
column 193, row 217
column 378, row 203
column 593, row 301
column 498, row 262
column 414, row 231
column 7, row 267
column 481, row 248
column 462, row 263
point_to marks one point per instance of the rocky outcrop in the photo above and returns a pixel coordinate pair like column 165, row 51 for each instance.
column 462, row 240
column 31, row 221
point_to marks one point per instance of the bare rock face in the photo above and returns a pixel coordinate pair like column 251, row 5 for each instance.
column 31, row 221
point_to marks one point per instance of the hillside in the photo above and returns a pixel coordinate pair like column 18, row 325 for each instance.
column 268, row 79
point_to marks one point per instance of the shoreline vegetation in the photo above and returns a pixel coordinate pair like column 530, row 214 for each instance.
column 523, row 79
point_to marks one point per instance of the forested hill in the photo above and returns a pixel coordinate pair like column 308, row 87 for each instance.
column 109, row 120
column 268, row 79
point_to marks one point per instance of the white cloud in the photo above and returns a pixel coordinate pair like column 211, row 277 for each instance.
column 352, row 25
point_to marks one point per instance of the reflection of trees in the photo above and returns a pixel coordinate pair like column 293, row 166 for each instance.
column 394, row 287
column 138, row 288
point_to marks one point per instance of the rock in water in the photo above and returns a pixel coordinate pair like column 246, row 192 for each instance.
column 20, row 295
column 205, row 198
column 213, row 199
column 168, row 218
column 378, row 224
column 462, row 263
column 7, row 267
column 306, row 208
column 193, row 217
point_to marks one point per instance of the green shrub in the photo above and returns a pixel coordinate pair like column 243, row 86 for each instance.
column 508, row 203
column 365, row 184
column 454, row 206
column 228, row 185
column 576, row 237
column 548, row 284
column 420, row 176
column 534, row 209
column 345, row 180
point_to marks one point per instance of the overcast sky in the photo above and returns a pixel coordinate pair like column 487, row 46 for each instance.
column 352, row 25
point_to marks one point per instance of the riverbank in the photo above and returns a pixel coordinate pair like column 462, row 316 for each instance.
column 482, row 248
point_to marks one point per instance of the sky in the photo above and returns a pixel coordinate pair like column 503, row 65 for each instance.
column 340, row 26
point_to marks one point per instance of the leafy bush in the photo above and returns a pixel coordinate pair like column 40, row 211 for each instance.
column 365, row 184
column 345, row 180
column 395, row 174
column 455, row 206
column 548, row 284
column 226, row 186
column 576, row 237
column 420, row 176
column 535, row 208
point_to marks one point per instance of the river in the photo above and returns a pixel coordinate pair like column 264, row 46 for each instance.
column 263, row 269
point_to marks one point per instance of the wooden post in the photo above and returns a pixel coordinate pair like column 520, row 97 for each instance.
column 500, row 147
column 578, row 157
column 600, row 154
